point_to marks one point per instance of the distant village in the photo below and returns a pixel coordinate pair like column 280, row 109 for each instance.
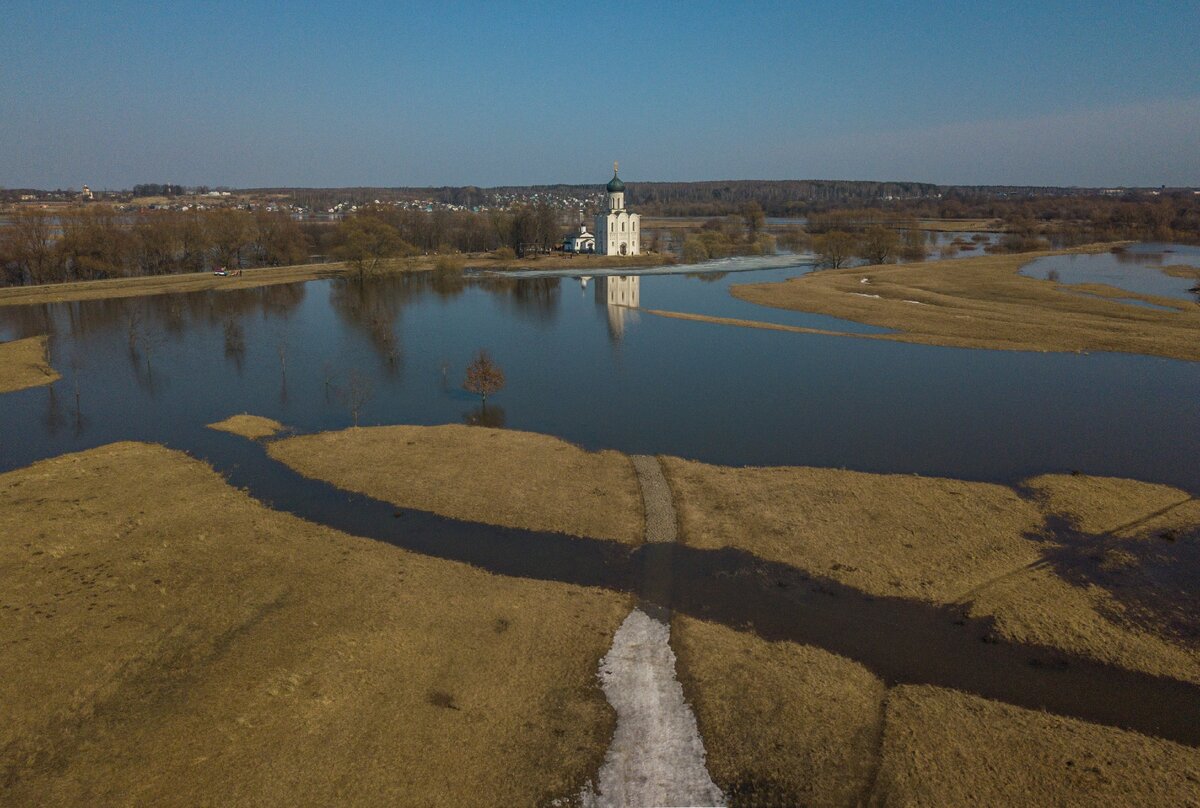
column 302, row 204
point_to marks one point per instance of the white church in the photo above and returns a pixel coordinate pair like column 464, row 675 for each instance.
column 618, row 232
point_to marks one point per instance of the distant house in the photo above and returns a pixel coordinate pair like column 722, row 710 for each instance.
column 581, row 242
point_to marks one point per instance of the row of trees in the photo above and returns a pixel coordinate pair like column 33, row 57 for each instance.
column 1065, row 220
column 875, row 245
column 98, row 241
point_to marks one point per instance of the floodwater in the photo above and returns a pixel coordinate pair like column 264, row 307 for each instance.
column 599, row 375
column 1135, row 269
column 581, row 364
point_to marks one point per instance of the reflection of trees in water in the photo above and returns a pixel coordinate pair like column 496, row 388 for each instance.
column 27, row 321
column 235, row 343
column 53, row 416
column 448, row 282
column 536, row 298
column 706, row 277
column 485, row 415
column 171, row 314
column 373, row 307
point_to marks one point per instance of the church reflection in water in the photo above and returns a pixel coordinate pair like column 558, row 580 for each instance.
column 621, row 295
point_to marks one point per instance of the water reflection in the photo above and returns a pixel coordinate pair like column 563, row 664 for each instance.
column 532, row 298
column 153, row 368
column 1136, row 269
column 621, row 295
column 373, row 307
column 486, row 415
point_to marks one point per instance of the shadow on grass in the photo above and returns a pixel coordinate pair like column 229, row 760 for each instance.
column 900, row 640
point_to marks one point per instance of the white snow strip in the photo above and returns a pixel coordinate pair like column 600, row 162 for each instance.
column 656, row 756
column 862, row 294
column 918, row 302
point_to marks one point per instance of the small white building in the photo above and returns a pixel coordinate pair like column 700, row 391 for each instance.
column 618, row 232
column 581, row 242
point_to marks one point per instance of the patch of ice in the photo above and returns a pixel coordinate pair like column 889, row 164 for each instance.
column 656, row 756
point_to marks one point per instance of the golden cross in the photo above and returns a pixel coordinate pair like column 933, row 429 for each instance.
column 614, row 168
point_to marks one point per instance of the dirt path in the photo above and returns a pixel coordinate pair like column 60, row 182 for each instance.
column 656, row 756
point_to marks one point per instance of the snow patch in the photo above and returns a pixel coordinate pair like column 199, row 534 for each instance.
column 656, row 756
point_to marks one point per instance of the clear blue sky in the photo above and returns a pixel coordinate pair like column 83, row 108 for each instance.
column 382, row 93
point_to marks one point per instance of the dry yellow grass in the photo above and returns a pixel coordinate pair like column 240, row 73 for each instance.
column 783, row 724
column 502, row 477
column 1103, row 504
column 23, row 365
column 166, row 640
column 249, row 426
column 1034, row 605
column 795, row 329
column 945, row 748
column 887, row 534
column 985, row 303
column 1182, row 271
column 936, row 540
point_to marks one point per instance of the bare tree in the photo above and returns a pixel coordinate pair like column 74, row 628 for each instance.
column 484, row 377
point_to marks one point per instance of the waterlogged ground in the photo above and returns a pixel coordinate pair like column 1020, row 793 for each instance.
column 394, row 349
column 1134, row 269
column 818, row 673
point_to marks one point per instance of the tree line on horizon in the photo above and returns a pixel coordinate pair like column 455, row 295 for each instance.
column 96, row 242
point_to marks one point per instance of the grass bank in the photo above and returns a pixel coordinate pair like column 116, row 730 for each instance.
column 985, row 303
column 498, row 476
column 167, row 640
column 978, row 545
column 790, row 724
column 253, row 427
column 23, row 365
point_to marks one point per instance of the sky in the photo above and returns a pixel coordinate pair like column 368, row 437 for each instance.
column 252, row 94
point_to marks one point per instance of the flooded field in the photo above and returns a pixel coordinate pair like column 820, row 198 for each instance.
column 604, row 376
column 1136, row 269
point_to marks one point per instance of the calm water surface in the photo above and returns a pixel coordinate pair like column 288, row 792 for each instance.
column 159, row 368
column 1135, row 269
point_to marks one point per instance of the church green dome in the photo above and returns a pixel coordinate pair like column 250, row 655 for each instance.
column 615, row 184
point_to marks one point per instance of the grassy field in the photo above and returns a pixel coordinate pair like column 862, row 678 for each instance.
column 945, row 748
column 269, row 276
column 789, row 724
column 249, row 426
column 23, row 364
column 166, row 640
column 502, row 477
column 984, row 303
column 783, row 724
column 954, row 542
